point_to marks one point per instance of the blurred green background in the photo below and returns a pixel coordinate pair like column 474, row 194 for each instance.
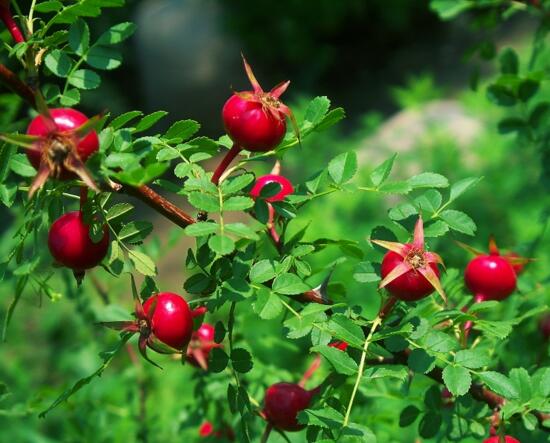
column 402, row 77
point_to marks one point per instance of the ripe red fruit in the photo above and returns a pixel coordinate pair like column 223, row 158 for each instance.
column 202, row 342
column 255, row 120
column 70, row 243
column 284, row 183
column 408, row 271
column 283, row 402
column 495, row 439
column 172, row 320
column 491, row 277
column 60, row 145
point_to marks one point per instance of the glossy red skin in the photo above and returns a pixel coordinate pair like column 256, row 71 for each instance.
column 172, row 321
column 286, row 187
column 66, row 119
column 410, row 286
column 205, row 335
column 495, row 439
column 491, row 277
column 249, row 126
column 544, row 326
column 283, row 402
column 70, row 243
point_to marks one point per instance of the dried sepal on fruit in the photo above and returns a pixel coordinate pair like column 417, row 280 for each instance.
column 164, row 324
column 58, row 143
column 409, row 271
column 202, row 342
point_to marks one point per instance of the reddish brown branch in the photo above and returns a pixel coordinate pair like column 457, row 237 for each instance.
column 159, row 204
column 12, row 81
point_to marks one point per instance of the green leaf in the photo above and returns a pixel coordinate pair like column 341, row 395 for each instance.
column 327, row 418
column 238, row 203
column 117, row 34
column 149, row 120
column 449, row 9
column 182, row 130
column 79, row 37
column 399, row 372
column 218, row 360
column 200, row 229
column 84, row 79
column 430, row 424
column 221, row 244
column 58, row 63
column 527, row 89
column 408, row 416
column 268, row 304
column 316, row 110
column 461, row 186
column 400, row 187
column 365, row 273
column 382, row 172
column 340, row 361
column 289, row 284
column 459, row 221
column 241, row 360
column 49, row 6
column 402, row 211
column 343, row 167
column 428, row 180
column 509, row 63
column 101, row 57
column 333, row 117
column 263, row 271
column 143, row 263
column 204, row 202
column 135, row 231
column 420, row 361
column 342, row 328
column 501, row 95
column 472, row 358
column 241, row 230
column 124, row 119
column 235, row 184
column 499, row 383
column 457, row 379
column 71, row 97
column 20, row 165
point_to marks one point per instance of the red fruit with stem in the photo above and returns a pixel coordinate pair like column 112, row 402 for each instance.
column 285, row 185
column 496, row 439
column 70, row 243
column 58, row 142
column 171, row 321
column 491, row 276
column 164, row 323
column 7, row 17
column 255, row 120
column 409, row 272
column 283, row 402
column 202, row 342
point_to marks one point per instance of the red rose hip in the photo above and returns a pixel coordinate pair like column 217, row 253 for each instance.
column 283, row 402
column 70, row 243
column 496, row 439
column 172, row 320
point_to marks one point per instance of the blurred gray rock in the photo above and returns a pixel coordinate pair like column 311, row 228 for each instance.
column 187, row 61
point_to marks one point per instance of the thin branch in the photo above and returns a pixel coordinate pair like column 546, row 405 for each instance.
column 159, row 204
column 12, row 81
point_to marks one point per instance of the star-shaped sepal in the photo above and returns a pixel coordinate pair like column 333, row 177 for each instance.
column 512, row 258
column 415, row 259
